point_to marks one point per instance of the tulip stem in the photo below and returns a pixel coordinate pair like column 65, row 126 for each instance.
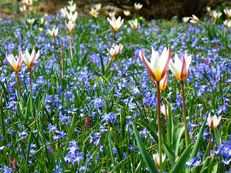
column 159, row 124
column 62, row 59
column 71, row 46
column 18, row 83
column 30, row 81
column 184, row 112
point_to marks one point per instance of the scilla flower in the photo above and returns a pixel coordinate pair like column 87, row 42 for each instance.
column 180, row 68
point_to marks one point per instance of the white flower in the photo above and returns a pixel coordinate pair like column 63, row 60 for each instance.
column 54, row 32
column 214, row 121
column 30, row 59
column 227, row 23
column 31, row 21
column 116, row 23
column 156, row 158
column 133, row 24
column 194, row 19
column 115, row 50
column 138, row 6
column 126, row 12
column 72, row 16
column 227, row 12
column 70, row 26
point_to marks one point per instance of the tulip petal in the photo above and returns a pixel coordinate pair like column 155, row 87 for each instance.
column 147, row 65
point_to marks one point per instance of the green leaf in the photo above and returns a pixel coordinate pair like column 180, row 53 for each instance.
column 178, row 131
column 167, row 149
column 147, row 159
column 217, row 136
column 196, row 146
column 179, row 165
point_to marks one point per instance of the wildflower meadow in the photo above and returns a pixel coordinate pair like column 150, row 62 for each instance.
column 115, row 93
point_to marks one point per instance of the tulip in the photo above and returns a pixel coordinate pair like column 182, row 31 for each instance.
column 159, row 64
column 164, row 82
column 227, row 12
column 138, row 6
column 216, row 15
column 72, row 16
column 63, row 12
column 157, row 69
column 115, row 50
column 94, row 12
column 115, row 23
column 180, row 69
column 71, row 7
column 29, row 60
column 134, row 24
column 27, row 3
column 70, row 26
column 126, row 12
column 227, row 23
column 213, row 121
column 156, row 158
column 98, row 6
column 54, row 32
column 16, row 64
column 186, row 19
column 194, row 19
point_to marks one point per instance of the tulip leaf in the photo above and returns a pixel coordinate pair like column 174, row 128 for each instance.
column 196, row 146
column 217, row 136
column 168, row 151
column 179, row 165
column 178, row 131
column 147, row 159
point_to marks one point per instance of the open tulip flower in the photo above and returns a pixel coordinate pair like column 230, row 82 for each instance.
column 159, row 64
column 30, row 59
column 116, row 49
column 115, row 23
column 214, row 121
column 180, row 68
column 134, row 24
column 54, row 32
column 70, row 26
column 15, row 63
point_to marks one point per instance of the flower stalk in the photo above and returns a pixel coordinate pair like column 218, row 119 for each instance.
column 184, row 112
column 159, row 124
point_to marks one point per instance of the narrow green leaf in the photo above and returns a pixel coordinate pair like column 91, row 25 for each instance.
column 179, row 165
column 196, row 146
column 147, row 159
column 167, row 149
column 217, row 136
column 178, row 131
